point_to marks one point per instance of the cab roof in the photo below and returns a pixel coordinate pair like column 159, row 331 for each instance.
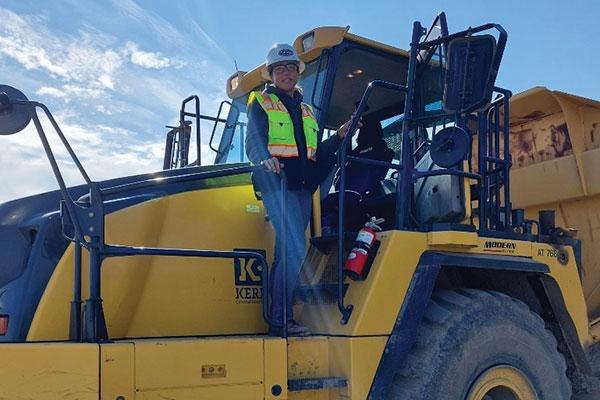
column 309, row 46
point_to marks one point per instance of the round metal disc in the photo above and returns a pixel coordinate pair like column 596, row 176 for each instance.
column 449, row 146
column 13, row 117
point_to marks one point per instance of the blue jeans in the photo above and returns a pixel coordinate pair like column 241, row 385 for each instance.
column 298, row 210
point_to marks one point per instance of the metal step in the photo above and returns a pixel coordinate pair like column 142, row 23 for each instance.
column 325, row 243
column 319, row 293
column 297, row 385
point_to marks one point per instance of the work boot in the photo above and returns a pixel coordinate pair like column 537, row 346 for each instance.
column 295, row 329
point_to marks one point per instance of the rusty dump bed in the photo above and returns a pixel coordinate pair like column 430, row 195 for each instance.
column 555, row 147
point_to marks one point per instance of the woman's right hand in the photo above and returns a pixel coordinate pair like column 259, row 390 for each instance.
column 343, row 130
column 272, row 164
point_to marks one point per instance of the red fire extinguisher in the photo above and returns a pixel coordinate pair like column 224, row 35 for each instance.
column 357, row 259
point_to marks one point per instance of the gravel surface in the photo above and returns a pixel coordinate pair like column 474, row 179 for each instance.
column 591, row 384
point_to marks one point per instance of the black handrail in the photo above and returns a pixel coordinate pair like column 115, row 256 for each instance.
column 403, row 189
column 506, row 95
column 283, row 188
column 75, row 318
column 178, row 137
column 347, row 310
column 169, row 150
column 369, row 161
column 196, row 115
column 127, row 251
column 500, row 173
column 447, row 171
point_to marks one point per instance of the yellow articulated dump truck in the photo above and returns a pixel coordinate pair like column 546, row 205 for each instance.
column 482, row 283
column 555, row 146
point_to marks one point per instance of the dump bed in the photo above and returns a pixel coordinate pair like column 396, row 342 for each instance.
column 555, row 147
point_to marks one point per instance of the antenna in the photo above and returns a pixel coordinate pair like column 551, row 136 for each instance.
column 236, row 67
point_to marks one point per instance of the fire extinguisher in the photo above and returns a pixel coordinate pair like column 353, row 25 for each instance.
column 357, row 259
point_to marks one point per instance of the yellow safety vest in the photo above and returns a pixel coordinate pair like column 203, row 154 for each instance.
column 282, row 142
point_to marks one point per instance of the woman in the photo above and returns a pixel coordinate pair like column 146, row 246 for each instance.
column 282, row 135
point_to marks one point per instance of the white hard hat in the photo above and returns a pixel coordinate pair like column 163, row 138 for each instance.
column 278, row 53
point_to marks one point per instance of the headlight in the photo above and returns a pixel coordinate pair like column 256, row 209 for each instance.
column 308, row 42
column 234, row 83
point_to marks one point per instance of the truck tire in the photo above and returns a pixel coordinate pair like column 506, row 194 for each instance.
column 481, row 345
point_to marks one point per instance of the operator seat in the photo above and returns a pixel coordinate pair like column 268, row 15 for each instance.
column 362, row 180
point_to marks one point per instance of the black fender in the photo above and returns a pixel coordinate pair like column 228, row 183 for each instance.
column 420, row 290
column 565, row 324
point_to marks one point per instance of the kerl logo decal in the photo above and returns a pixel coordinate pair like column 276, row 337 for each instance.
column 248, row 278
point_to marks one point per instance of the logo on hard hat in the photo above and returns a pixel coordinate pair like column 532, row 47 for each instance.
column 286, row 52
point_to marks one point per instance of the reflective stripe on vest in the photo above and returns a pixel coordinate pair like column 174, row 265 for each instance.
column 282, row 142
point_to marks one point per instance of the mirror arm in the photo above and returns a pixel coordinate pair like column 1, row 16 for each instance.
column 68, row 201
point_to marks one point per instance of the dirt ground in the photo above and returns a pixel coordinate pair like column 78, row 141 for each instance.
column 592, row 384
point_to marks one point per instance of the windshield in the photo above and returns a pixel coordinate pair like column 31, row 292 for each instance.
column 232, row 146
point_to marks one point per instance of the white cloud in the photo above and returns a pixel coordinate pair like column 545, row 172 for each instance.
column 107, row 81
column 83, row 66
column 154, row 22
column 84, row 90
column 100, row 149
column 105, row 152
column 103, row 110
column 51, row 91
column 68, row 91
column 18, row 40
column 110, row 91
column 146, row 59
column 74, row 60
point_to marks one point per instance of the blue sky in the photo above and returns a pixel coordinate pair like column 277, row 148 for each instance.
column 114, row 72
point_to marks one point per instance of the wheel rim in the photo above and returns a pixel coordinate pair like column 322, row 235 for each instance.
column 502, row 382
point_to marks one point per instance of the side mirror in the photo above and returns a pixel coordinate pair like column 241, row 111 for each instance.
column 470, row 75
column 14, row 117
